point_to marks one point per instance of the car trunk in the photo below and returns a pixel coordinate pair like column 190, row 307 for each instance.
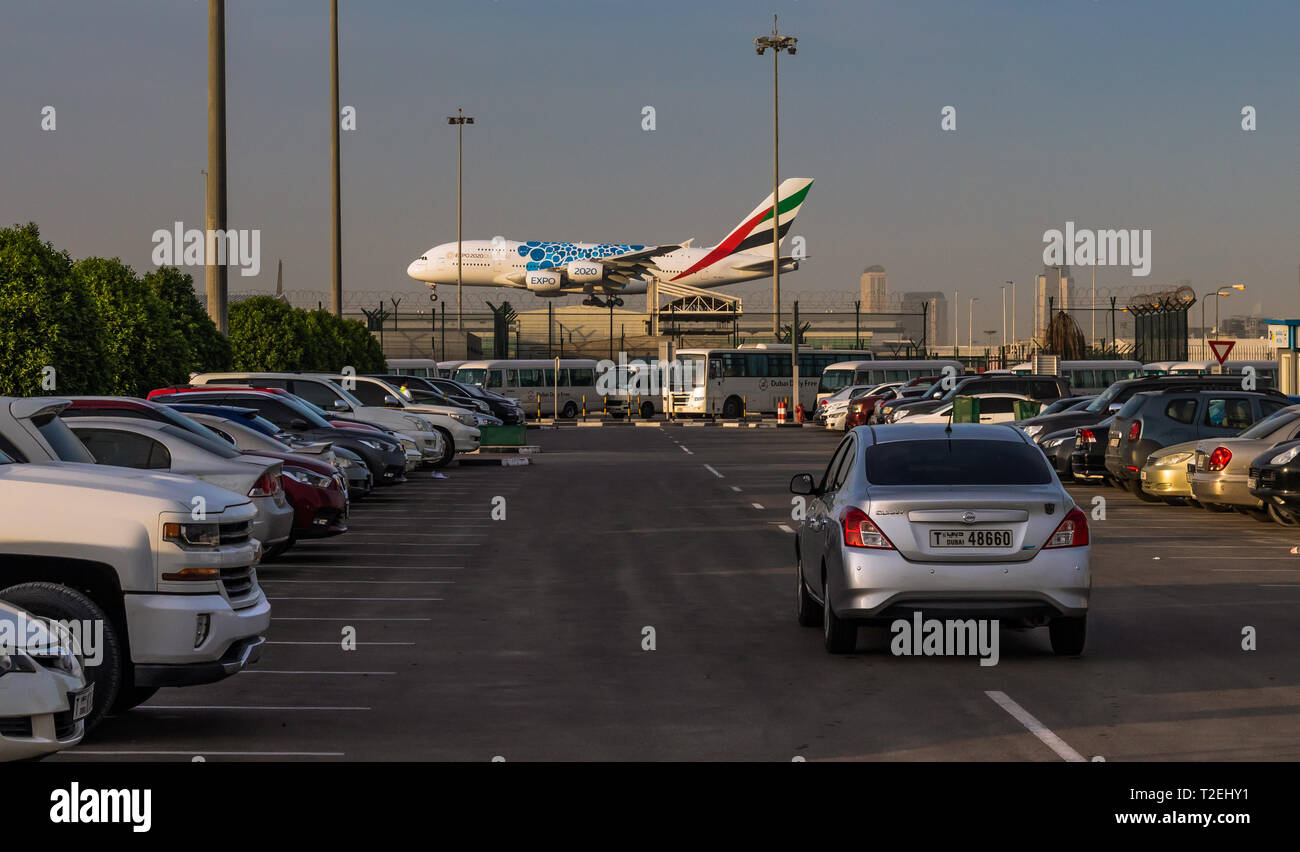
column 968, row 523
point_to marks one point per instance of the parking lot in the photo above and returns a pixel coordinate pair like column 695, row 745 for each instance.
column 530, row 637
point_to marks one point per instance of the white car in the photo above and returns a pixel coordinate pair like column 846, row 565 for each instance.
column 44, row 696
column 994, row 408
column 457, row 424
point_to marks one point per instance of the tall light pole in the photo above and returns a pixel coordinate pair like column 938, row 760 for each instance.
column 1216, row 294
column 336, row 215
column 1004, row 316
column 777, row 43
column 460, row 119
column 1013, row 310
column 970, row 321
column 214, row 274
column 956, row 338
column 1092, row 306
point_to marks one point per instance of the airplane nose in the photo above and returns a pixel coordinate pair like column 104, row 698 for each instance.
column 416, row 269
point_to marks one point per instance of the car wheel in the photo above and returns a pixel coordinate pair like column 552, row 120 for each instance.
column 1217, row 507
column 276, row 550
column 448, row 448
column 809, row 614
column 840, row 635
column 1279, row 516
column 1068, row 635
column 1260, row 515
column 732, row 408
column 647, row 410
column 51, row 600
column 570, row 410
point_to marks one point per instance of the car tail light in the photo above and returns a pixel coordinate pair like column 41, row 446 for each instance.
column 1219, row 458
column 1135, row 430
column 267, row 485
column 1087, row 436
column 859, row 531
column 1073, row 531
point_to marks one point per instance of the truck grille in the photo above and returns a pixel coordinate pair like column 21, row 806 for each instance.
column 1264, row 476
column 240, row 585
column 236, row 533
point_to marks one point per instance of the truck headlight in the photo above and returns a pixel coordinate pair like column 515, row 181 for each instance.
column 416, row 423
column 193, row 535
column 1285, row 457
column 464, row 419
column 15, row 663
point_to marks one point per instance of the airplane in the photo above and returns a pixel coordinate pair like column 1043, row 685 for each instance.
column 614, row 270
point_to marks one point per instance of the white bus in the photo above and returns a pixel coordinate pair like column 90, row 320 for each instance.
column 730, row 382
column 1265, row 371
column 536, row 386
column 422, row 367
column 1090, row 377
column 447, row 369
column 876, row 372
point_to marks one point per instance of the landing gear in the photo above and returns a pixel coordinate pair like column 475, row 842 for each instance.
column 595, row 302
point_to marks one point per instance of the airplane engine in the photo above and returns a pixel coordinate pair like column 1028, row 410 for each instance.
column 545, row 282
column 586, row 273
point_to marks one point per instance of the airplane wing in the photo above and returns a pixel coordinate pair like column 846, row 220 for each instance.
column 622, row 268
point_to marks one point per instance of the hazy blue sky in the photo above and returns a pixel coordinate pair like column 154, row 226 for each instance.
column 1112, row 114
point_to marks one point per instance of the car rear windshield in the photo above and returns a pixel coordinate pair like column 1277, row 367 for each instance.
column 956, row 462
column 1271, row 424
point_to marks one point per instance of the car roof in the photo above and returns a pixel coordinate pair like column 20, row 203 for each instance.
column 939, row 431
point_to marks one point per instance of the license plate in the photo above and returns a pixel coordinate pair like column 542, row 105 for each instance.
column 970, row 538
column 81, row 701
column 1143, row 476
column 1114, row 440
column 1251, row 482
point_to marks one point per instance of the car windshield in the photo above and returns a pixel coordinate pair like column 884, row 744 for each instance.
column 1271, row 424
column 214, row 445
column 964, row 461
column 1103, row 400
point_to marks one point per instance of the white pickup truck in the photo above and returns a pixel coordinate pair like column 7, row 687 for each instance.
column 166, row 563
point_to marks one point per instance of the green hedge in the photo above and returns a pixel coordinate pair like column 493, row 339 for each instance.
column 105, row 330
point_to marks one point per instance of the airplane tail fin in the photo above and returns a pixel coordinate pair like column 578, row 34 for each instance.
column 754, row 233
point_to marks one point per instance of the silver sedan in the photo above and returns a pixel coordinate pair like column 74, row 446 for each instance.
column 963, row 521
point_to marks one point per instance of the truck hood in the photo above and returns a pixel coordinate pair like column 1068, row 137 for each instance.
column 124, row 481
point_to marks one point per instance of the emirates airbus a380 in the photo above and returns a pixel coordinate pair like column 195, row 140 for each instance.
column 613, row 270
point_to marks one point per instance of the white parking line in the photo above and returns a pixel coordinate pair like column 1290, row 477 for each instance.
column 236, row 707
column 269, row 598
column 199, row 752
column 1035, row 727
column 735, row 488
column 711, row 470
column 688, row 452
column 288, row 672
column 784, row 528
column 757, row 505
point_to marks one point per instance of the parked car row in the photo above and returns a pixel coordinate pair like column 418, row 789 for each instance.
column 1185, row 440
column 148, row 519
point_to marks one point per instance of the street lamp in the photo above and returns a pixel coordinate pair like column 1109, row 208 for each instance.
column 1217, row 293
column 1004, row 315
column 460, row 120
column 969, row 320
column 777, row 43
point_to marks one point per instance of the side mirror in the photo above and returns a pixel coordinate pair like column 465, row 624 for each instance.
column 340, row 405
column 391, row 401
column 298, row 424
column 1114, row 406
column 802, row 483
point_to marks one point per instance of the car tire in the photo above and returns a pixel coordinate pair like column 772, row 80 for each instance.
column 61, row 603
column 732, row 408
column 647, row 410
column 277, row 550
column 840, row 635
column 1277, row 515
column 1068, row 635
column 570, row 410
column 1260, row 515
column 1217, row 507
column 448, row 448
column 807, row 611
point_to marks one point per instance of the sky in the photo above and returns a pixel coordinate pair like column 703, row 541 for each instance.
column 1109, row 114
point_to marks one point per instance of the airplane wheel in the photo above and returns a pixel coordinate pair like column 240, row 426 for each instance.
column 618, row 302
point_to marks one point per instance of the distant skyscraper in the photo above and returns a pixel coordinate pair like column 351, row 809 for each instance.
column 935, row 304
column 1053, row 291
column 875, row 293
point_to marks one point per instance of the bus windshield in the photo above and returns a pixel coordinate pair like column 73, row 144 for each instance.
column 833, row 380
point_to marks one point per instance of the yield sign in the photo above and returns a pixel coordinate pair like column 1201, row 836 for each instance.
column 1221, row 348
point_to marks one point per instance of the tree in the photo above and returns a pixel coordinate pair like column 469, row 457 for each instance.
column 1065, row 339
column 145, row 349
column 46, row 321
column 208, row 349
column 266, row 334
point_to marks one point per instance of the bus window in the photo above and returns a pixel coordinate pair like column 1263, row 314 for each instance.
column 733, row 365
column 582, row 377
column 777, row 366
column 833, row 380
column 549, row 377
column 715, row 368
column 531, row 378
column 494, row 379
column 758, row 366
